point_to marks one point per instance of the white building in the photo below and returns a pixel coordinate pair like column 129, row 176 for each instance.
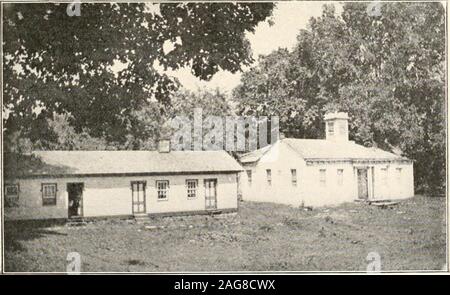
column 316, row 172
column 74, row 184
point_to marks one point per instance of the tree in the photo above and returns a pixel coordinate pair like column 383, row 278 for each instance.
column 212, row 102
column 401, row 63
column 146, row 128
column 297, row 85
column 102, row 66
column 386, row 71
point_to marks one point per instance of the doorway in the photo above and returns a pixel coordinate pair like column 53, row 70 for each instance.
column 75, row 192
column 363, row 187
column 211, row 193
column 138, row 196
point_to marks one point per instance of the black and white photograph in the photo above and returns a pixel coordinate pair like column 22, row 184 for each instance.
column 219, row 137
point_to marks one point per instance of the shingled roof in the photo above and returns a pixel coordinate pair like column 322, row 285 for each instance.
column 67, row 163
column 321, row 149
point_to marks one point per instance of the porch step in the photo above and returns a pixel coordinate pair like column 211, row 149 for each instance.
column 384, row 201
column 141, row 217
column 384, row 205
column 378, row 201
column 76, row 221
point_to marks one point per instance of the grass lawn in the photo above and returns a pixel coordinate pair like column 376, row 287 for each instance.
column 261, row 237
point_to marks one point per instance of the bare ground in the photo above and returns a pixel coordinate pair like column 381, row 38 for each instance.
column 261, row 237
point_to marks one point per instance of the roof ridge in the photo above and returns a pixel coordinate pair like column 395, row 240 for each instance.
column 307, row 148
column 295, row 150
column 126, row 162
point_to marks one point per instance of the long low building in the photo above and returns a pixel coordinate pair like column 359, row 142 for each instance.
column 316, row 172
column 68, row 184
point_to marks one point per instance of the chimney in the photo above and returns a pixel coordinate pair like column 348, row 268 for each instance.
column 336, row 126
column 165, row 137
column 164, row 145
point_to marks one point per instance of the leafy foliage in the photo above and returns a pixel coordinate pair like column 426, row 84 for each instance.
column 387, row 72
column 102, row 67
column 147, row 125
column 214, row 103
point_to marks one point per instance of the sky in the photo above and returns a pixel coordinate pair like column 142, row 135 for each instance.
column 288, row 17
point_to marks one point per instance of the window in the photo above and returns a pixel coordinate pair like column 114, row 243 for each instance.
column 162, row 187
column 249, row 176
column 331, row 128
column 340, row 177
column 294, row 177
column 11, row 195
column 191, row 185
column 323, row 177
column 269, row 176
column 49, row 194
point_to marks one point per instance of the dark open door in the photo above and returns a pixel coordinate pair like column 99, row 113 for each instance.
column 211, row 193
column 75, row 193
column 363, row 189
column 138, row 196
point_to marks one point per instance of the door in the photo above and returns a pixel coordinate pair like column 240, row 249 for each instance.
column 363, row 189
column 75, row 193
column 138, row 196
column 211, row 193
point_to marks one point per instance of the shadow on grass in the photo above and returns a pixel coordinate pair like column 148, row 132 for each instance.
column 18, row 231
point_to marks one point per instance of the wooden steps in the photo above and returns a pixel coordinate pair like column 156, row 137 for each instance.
column 141, row 217
column 76, row 221
column 215, row 212
column 380, row 203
